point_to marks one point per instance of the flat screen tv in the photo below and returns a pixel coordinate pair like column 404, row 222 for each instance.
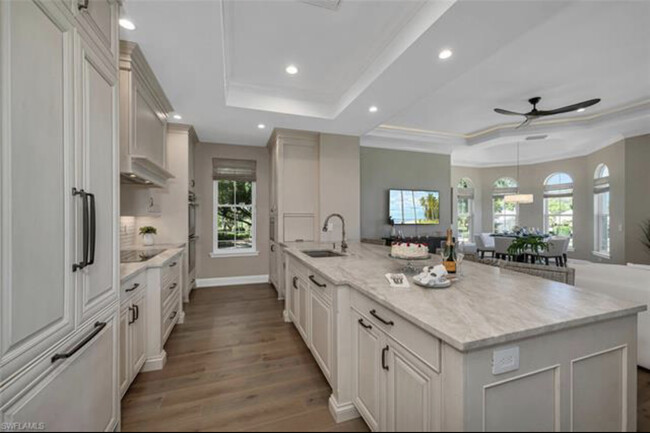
column 414, row 206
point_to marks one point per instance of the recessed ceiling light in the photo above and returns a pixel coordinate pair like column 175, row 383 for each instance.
column 445, row 54
column 580, row 110
column 373, row 109
column 132, row 175
column 178, row 116
column 126, row 23
column 292, row 70
column 261, row 126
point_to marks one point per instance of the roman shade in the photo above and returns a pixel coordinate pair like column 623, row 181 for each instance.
column 465, row 192
column 601, row 185
column 558, row 190
column 239, row 170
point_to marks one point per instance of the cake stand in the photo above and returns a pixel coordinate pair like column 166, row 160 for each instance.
column 410, row 267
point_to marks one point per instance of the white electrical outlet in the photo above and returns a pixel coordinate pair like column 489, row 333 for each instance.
column 505, row 360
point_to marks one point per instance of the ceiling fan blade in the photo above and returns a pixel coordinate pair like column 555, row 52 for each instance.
column 508, row 113
column 525, row 122
column 569, row 108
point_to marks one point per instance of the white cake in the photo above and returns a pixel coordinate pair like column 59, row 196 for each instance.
column 409, row 250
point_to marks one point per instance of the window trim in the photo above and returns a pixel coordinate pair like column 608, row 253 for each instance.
column 602, row 187
column 552, row 191
column 233, row 252
column 466, row 193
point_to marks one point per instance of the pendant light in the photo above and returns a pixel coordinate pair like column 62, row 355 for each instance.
column 519, row 198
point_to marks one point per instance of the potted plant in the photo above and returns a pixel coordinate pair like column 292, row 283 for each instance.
column 148, row 233
column 528, row 245
column 646, row 232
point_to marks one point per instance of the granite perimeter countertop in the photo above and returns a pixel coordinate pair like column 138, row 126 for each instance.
column 486, row 307
column 129, row 270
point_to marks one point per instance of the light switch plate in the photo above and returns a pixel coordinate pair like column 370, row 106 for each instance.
column 505, row 360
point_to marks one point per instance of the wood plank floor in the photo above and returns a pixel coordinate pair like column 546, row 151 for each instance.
column 236, row 366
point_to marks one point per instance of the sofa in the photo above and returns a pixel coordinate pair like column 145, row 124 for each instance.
column 631, row 282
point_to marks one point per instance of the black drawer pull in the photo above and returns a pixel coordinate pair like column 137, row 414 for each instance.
column 384, row 352
column 313, row 280
column 362, row 323
column 173, row 286
column 295, row 283
column 133, row 318
column 384, row 321
column 99, row 326
column 172, row 265
column 82, row 4
column 173, row 316
column 137, row 313
column 135, row 286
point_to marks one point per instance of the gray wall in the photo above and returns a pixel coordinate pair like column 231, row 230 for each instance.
column 637, row 194
column 531, row 181
column 208, row 267
column 383, row 169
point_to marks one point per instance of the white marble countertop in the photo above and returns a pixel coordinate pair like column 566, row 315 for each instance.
column 487, row 306
column 129, row 270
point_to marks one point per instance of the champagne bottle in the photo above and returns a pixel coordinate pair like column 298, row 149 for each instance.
column 449, row 253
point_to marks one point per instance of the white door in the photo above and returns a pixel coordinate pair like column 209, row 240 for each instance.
column 125, row 350
column 98, row 98
column 321, row 332
column 412, row 392
column 367, row 370
column 138, row 334
column 37, row 285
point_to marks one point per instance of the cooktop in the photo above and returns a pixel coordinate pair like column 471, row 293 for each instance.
column 134, row 256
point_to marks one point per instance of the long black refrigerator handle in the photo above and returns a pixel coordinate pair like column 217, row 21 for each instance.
column 84, row 201
column 99, row 326
column 93, row 228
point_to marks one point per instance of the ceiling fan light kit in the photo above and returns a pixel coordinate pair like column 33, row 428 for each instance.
column 536, row 114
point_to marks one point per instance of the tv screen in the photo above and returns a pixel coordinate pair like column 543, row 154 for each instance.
column 414, row 206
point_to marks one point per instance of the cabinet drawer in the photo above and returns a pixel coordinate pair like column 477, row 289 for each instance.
column 425, row 346
column 169, row 319
column 133, row 285
column 320, row 285
column 168, row 289
column 79, row 393
column 171, row 270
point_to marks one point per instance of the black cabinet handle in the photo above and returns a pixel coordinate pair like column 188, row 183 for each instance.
column 82, row 4
column 132, row 311
column 137, row 313
column 173, row 316
column 173, row 286
column 313, row 280
column 384, row 352
column 135, row 286
column 384, row 321
column 172, row 264
column 272, row 247
column 93, row 227
column 295, row 281
column 362, row 323
column 84, row 262
column 99, row 326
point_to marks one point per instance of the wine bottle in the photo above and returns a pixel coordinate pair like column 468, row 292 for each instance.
column 449, row 253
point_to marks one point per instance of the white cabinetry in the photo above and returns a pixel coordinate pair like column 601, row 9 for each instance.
column 133, row 331
column 58, row 303
column 144, row 110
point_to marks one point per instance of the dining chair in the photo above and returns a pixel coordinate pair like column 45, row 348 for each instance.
column 484, row 243
column 501, row 245
column 556, row 250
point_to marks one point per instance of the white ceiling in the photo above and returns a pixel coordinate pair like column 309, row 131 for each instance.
column 222, row 66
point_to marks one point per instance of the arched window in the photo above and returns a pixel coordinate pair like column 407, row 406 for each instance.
column 465, row 209
column 558, row 205
column 601, row 211
column 504, row 215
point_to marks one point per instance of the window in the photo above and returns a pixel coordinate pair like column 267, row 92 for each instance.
column 504, row 215
column 234, row 218
column 558, row 205
column 601, row 211
column 465, row 209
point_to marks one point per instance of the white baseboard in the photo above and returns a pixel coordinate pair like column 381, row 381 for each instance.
column 231, row 281
column 154, row 363
column 342, row 412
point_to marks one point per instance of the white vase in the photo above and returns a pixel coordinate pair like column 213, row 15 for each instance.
column 147, row 240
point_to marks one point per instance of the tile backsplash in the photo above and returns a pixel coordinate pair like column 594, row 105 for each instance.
column 128, row 233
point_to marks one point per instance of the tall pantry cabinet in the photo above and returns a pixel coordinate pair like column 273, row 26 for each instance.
column 59, row 216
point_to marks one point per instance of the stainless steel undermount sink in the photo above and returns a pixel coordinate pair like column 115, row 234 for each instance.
column 318, row 254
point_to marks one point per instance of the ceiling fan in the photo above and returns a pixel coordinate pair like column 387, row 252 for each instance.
column 536, row 114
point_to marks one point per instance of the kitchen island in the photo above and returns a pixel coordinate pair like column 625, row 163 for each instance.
column 498, row 350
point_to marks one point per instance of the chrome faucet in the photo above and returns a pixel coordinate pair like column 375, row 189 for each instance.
column 344, row 244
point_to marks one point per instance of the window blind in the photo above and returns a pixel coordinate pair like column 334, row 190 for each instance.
column 238, row 170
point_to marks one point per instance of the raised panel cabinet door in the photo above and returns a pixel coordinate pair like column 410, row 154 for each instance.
column 321, row 332
column 303, row 320
column 294, row 298
column 98, row 99
column 81, row 392
column 150, row 127
column 99, row 17
column 139, row 334
column 412, row 393
column 367, row 373
column 37, row 172
column 125, row 352
column 300, row 178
